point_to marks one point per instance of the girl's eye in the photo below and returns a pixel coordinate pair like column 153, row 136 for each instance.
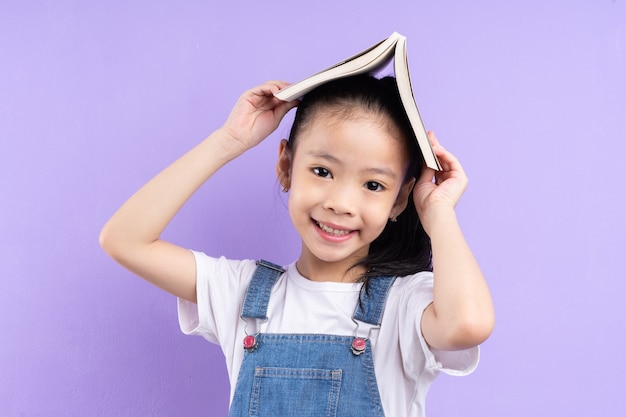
column 322, row 172
column 374, row 186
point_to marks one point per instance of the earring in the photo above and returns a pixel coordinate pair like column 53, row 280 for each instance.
column 285, row 189
column 393, row 219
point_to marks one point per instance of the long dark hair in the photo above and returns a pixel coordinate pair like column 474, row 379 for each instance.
column 403, row 248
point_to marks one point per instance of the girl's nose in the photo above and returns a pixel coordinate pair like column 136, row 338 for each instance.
column 341, row 200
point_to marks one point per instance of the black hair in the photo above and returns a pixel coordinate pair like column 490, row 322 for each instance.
column 403, row 248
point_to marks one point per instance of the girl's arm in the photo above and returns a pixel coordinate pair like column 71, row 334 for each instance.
column 132, row 235
column 461, row 315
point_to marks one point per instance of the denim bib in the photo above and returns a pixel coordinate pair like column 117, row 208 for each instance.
column 307, row 375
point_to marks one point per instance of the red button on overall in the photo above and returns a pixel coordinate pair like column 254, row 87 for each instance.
column 250, row 343
column 358, row 345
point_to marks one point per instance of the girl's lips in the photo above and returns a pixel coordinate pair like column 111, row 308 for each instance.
column 333, row 232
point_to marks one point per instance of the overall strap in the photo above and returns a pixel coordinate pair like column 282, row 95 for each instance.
column 372, row 300
column 258, row 292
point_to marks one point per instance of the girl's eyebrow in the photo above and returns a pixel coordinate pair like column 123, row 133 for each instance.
column 382, row 171
column 324, row 155
column 372, row 170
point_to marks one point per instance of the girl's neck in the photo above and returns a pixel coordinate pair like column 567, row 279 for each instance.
column 317, row 270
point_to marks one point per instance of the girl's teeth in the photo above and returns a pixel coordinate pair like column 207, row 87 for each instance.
column 333, row 231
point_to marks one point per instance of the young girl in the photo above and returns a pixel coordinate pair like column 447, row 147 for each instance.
column 385, row 293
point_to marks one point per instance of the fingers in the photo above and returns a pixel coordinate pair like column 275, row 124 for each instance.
column 280, row 107
column 448, row 161
column 426, row 175
column 433, row 139
column 284, row 106
column 262, row 98
column 269, row 88
column 257, row 113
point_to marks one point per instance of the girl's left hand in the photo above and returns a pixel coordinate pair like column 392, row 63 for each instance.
column 439, row 189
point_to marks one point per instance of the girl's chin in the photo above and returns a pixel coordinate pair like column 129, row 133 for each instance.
column 329, row 258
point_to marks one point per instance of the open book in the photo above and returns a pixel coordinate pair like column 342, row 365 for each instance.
column 371, row 60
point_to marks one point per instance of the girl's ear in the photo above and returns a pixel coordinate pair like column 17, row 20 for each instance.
column 403, row 199
column 283, row 166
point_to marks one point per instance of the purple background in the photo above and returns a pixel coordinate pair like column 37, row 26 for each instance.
column 95, row 99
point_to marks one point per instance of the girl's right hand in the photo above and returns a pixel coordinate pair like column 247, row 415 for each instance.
column 256, row 114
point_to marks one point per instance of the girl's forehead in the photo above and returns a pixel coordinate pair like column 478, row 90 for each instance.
column 334, row 113
column 362, row 137
column 334, row 118
column 345, row 121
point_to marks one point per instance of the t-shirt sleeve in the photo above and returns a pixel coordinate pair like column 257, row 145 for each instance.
column 220, row 286
column 457, row 363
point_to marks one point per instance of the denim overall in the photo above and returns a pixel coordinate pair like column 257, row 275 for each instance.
column 307, row 375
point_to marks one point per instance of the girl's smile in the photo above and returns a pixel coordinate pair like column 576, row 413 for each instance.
column 333, row 233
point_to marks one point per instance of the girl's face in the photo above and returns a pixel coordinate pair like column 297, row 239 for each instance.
column 347, row 179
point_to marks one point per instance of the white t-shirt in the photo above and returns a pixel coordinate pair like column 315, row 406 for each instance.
column 404, row 364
